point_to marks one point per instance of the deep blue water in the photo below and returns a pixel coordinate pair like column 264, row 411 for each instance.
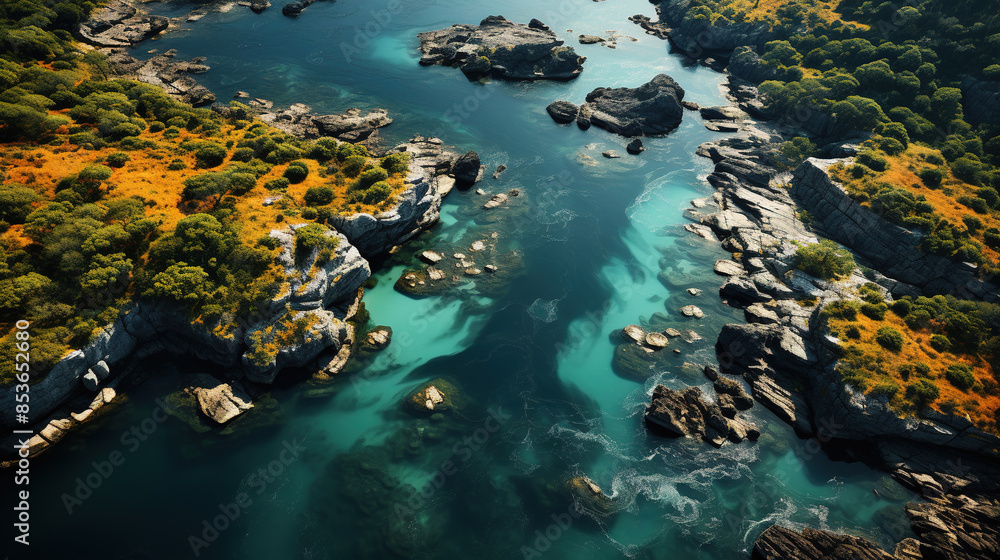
column 593, row 235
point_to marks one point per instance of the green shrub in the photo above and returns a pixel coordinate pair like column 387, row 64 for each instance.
column 157, row 126
column 296, row 172
column 885, row 388
column 931, row 177
column 16, row 202
column 243, row 154
column 889, row 338
column 922, row 392
column 353, row 165
column 117, row 159
column 842, row 309
column 377, row 193
column 396, row 163
column 309, row 213
column 319, row 196
column 901, row 307
column 940, row 343
column 853, row 332
column 960, row 375
column 313, row 236
column 176, row 165
column 372, row 176
column 872, row 160
column 278, row 184
column 825, row 260
column 874, row 311
column 211, row 155
column 977, row 204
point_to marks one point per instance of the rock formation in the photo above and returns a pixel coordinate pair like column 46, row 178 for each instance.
column 499, row 48
column 120, row 24
column 651, row 109
column 173, row 76
column 685, row 413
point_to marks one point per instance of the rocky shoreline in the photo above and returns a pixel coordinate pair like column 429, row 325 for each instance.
column 325, row 295
column 783, row 351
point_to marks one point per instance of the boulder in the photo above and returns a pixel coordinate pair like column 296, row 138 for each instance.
column 656, row 340
column 563, row 111
column 635, row 147
column 634, row 333
column 684, row 413
column 740, row 397
column 501, row 49
column 692, row 311
column 590, row 39
column 726, row 267
column 467, row 168
column 611, row 154
column 653, row 108
column 430, row 257
column 220, row 401
column 378, row 338
column 352, row 126
column 293, row 9
column 438, row 395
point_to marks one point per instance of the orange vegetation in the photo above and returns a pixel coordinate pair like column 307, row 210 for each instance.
column 979, row 408
column 902, row 173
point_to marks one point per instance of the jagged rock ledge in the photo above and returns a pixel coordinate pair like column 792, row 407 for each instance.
column 499, row 48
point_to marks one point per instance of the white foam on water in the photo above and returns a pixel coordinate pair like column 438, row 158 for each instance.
column 545, row 311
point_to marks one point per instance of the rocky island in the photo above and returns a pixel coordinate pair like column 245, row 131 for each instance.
column 501, row 49
column 652, row 109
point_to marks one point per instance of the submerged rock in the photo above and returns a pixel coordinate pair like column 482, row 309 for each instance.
column 378, row 338
column 439, row 395
column 692, row 311
column 501, row 49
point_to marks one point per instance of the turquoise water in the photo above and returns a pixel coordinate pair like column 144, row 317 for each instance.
column 541, row 403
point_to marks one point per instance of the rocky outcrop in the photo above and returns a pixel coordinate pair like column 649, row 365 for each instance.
column 294, row 9
column 890, row 249
column 467, row 169
column 173, row 76
column 417, row 208
column 502, row 49
column 780, row 543
column 219, row 401
column 120, row 24
column 745, row 63
column 352, row 126
column 699, row 38
column 151, row 326
column 956, row 527
column 651, row 109
column 685, row 413
column 981, row 101
column 563, row 112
